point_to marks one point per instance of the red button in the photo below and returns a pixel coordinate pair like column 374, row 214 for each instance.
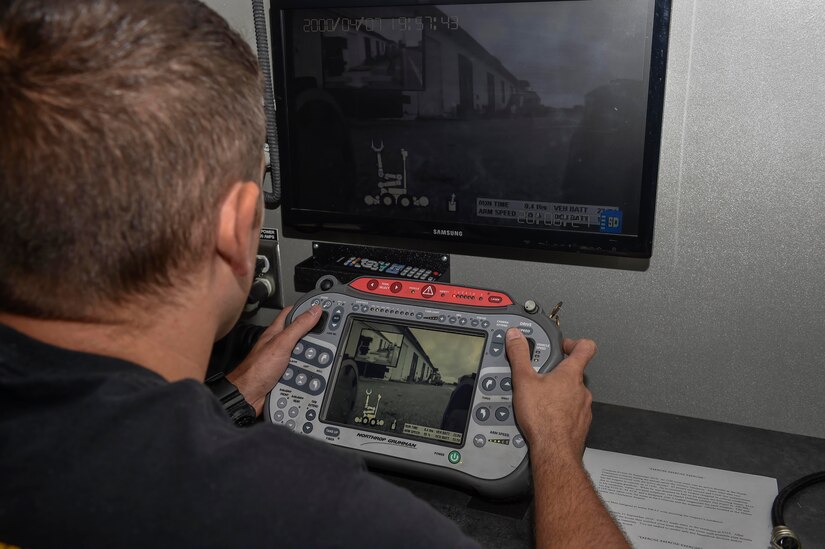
column 495, row 299
column 396, row 287
column 428, row 291
column 372, row 284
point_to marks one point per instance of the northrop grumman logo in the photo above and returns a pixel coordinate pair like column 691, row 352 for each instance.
column 447, row 232
column 386, row 440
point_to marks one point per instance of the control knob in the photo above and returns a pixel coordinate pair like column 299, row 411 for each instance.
column 261, row 289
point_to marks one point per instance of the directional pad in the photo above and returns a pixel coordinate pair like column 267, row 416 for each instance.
column 493, row 414
column 496, row 384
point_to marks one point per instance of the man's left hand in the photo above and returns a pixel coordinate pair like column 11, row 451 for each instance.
column 268, row 359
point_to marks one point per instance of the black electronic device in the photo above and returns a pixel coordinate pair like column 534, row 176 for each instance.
column 346, row 263
column 413, row 376
column 513, row 129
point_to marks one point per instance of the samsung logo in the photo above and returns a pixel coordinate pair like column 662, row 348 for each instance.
column 447, row 232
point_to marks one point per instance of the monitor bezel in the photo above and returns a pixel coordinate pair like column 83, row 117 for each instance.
column 595, row 249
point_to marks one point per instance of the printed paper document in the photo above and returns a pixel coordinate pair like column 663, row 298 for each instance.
column 664, row 504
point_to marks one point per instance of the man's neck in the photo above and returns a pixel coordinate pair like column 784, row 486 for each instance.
column 174, row 342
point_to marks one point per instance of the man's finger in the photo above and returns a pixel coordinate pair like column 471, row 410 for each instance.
column 301, row 325
column 518, row 352
column 579, row 353
column 276, row 327
column 280, row 321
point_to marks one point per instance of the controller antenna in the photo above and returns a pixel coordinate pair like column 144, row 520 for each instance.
column 554, row 314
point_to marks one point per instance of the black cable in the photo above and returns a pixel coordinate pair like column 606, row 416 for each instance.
column 272, row 200
column 783, row 537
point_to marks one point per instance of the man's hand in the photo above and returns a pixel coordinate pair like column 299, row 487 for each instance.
column 553, row 413
column 268, row 359
column 553, row 409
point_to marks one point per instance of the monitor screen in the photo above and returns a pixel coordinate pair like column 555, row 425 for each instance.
column 408, row 381
column 473, row 127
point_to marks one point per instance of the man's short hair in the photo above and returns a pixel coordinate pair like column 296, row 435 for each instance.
column 123, row 123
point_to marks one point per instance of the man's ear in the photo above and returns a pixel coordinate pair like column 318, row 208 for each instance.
column 237, row 224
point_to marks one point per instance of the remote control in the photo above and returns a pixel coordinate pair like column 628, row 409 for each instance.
column 413, row 376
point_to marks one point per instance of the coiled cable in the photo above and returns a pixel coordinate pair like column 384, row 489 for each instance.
column 783, row 537
column 272, row 200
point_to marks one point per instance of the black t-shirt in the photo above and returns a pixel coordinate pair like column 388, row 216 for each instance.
column 99, row 452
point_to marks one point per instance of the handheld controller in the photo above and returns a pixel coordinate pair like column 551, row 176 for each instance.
column 413, row 376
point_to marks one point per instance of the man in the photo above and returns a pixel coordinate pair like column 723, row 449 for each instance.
column 130, row 204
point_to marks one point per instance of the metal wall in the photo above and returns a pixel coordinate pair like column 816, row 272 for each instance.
column 728, row 321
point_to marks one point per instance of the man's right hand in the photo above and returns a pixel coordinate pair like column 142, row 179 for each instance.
column 553, row 409
column 553, row 413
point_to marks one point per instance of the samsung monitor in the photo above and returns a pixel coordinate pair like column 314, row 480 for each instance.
column 512, row 129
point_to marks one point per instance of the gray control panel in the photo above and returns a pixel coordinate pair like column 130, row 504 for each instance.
column 414, row 376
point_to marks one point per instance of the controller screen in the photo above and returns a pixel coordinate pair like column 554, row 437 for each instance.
column 405, row 380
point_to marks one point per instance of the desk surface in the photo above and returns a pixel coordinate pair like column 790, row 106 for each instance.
column 782, row 456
